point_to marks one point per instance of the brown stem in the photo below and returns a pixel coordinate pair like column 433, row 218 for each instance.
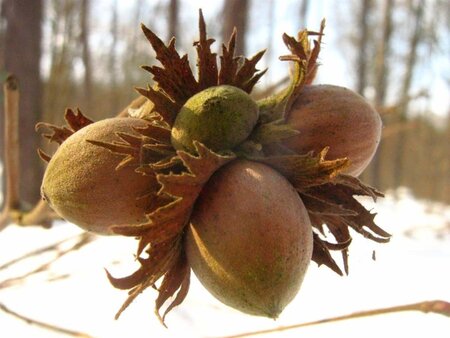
column 435, row 306
column 81, row 240
column 11, row 151
column 41, row 214
column 40, row 251
column 47, row 326
column 11, row 142
column 4, row 219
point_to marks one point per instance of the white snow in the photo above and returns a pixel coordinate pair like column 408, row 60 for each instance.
column 413, row 267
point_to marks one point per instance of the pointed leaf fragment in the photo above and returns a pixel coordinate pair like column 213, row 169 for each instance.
column 304, row 58
column 176, row 279
column 155, row 131
column 206, row 61
column 272, row 132
column 184, row 188
column 228, row 62
column 44, row 156
column 163, row 105
column 307, row 170
column 323, row 203
column 161, row 258
column 319, row 206
column 176, row 76
column 163, row 232
column 57, row 134
column 321, row 255
column 77, row 120
column 247, row 75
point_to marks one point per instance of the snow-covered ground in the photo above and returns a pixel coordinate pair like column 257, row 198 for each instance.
column 413, row 267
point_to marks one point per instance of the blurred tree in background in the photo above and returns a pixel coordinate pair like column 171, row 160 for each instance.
column 398, row 45
column 22, row 32
column 90, row 54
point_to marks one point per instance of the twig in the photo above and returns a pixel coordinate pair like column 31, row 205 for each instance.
column 4, row 218
column 41, row 214
column 435, row 306
column 11, row 150
column 36, row 252
column 82, row 240
column 43, row 325
column 12, row 166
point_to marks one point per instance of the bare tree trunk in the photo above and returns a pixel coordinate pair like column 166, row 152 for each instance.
column 235, row 14
column 411, row 61
column 86, row 53
column 173, row 18
column 271, row 10
column 3, row 75
column 304, row 13
column 382, row 71
column 131, row 56
column 2, row 36
column 445, row 194
column 22, row 57
column 382, row 68
column 112, row 61
column 60, row 91
column 362, row 45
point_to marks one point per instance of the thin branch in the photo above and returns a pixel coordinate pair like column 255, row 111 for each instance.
column 11, row 150
column 43, row 325
column 41, row 214
column 37, row 252
column 82, row 240
column 435, row 306
column 11, row 142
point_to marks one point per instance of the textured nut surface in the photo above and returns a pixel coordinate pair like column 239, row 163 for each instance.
column 250, row 239
column 82, row 185
column 219, row 117
column 337, row 117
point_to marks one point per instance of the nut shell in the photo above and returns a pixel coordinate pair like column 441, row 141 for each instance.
column 335, row 117
column 82, row 185
column 249, row 241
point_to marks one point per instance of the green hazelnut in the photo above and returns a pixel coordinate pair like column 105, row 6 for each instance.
column 219, row 117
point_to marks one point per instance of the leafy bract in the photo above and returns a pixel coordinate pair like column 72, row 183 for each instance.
column 161, row 236
column 176, row 82
column 74, row 122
